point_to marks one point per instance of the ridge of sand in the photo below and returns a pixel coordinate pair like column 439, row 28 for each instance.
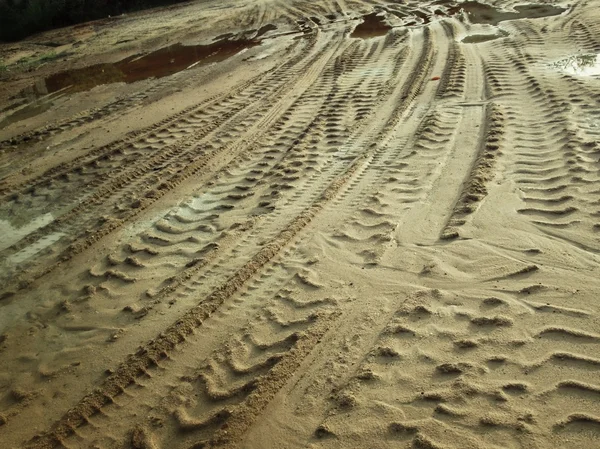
column 321, row 241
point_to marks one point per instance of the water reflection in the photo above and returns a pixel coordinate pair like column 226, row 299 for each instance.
column 164, row 62
column 160, row 63
column 488, row 14
column 478, row 38
column 373, row 25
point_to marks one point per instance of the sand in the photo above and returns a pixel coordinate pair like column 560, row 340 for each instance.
column 347, row 230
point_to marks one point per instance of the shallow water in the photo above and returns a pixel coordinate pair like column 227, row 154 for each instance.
column 488, row 14
column 35, row 248
column 478, row 38
column 164, row 62
column 373, row 25
column 12, row 233
column 30, row 110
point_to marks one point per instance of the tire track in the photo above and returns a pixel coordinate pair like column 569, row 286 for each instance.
column 472, row 384
column 161, row 127
column 166, row 156
column 121, row 274
column 267, row 252
column 235, row 380
column 553, row 163
column 151, row 354
column 303, row 282
column 474, row 189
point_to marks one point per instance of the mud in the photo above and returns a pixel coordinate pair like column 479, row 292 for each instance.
column 488, row 14
column 373, row 25
column 158, row 64
column 326, row 241
column 478, row 38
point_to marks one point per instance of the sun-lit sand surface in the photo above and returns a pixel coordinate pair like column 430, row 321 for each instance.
column 303, row 224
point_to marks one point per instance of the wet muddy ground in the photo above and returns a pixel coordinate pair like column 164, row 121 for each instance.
column 328, row 224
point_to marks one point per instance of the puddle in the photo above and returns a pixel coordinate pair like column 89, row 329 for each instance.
column 477, row 38
column 580, row 65
column 419, row 14
column 12, row 234
column 265, row 29
column 373, row 25
column 31, row 110
column 164, row 62
column 35, row 248
column 488, row 14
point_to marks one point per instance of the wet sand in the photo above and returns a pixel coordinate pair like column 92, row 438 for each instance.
column 332, row 224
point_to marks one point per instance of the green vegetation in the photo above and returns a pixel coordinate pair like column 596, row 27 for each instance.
column 21, row 18
column 29, row 62
column 3, row 71
column 36, row 60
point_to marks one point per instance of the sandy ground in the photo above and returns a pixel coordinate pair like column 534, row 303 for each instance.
column 390, row 240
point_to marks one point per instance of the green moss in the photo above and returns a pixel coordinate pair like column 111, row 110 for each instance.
column 34, row 61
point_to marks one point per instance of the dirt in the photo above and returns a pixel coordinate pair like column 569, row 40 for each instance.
column 329, row 224
column 157, row 64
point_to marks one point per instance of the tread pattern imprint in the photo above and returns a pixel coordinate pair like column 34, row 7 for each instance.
column 384, row 242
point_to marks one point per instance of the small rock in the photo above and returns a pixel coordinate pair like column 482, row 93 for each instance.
column 323, row 431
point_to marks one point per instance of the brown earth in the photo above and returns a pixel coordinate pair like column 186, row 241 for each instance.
column 294, row 224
